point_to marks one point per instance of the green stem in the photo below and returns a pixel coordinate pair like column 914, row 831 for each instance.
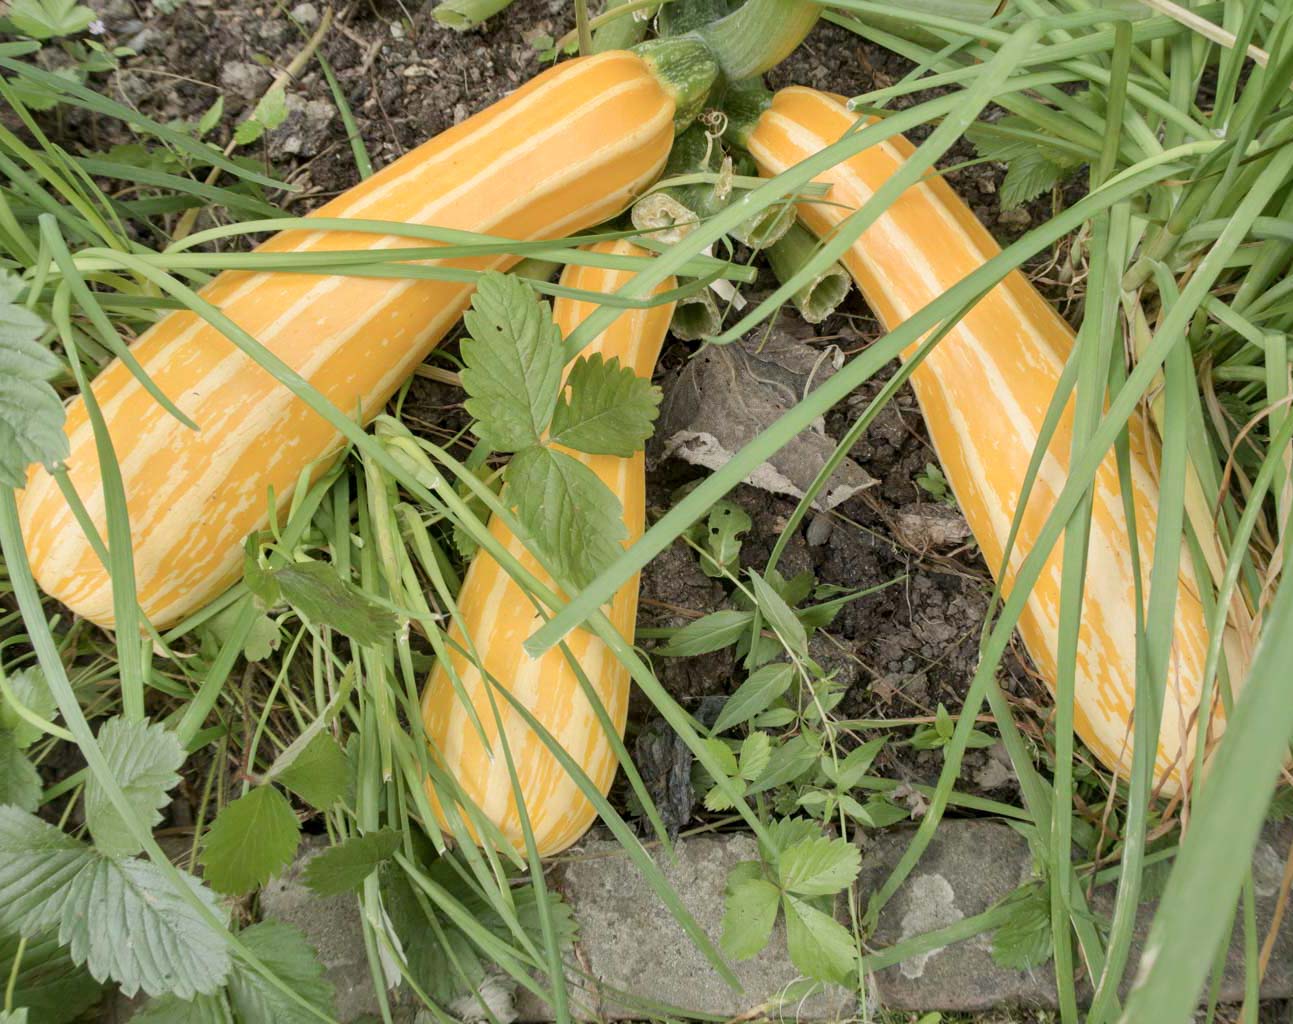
column 687, row 71
column 618, row 27
column 696, row 317
column 759, row 35
column 819, row 297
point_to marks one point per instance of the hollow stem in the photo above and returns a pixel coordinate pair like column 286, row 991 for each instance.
column 820, row 297
column 758, row 35
column 696, row 316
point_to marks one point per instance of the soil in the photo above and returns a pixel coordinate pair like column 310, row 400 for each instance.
column 903, row 650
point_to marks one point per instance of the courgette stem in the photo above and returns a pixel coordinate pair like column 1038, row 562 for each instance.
column 622, row 32
column 820, row 297
column 759, row 35
column 686, row 70
column 696, row 317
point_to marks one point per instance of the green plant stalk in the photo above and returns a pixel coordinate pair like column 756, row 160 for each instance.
column 618, row 28
column 696, row 317
column 820, row 297
column 759, row 35
column 461, row 15
column 686, row 69
column 672, row 212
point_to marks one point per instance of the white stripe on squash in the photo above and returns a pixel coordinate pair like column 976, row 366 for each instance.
column 984, row 391
column 606, row 126
column 498, row 617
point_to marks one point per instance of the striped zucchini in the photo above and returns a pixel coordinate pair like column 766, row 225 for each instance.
column 568, row 150
column 984, row 391
column 498, row 617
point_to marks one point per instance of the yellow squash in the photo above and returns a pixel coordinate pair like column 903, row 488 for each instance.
column 568, row 150
column 498, row 617
column 984, row 391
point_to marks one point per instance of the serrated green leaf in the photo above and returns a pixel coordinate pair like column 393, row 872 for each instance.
column 756, row 749
column 605, row 408
column 252, row 839
column 319, row 774
column 1028, row 176
column 48, row 19
column 709, row 633
column 819, row 946
column 319, row 594
column 343, row 867
column 717, row 800
column 31, row 413
column 30, row 689
column 786, row 832
column 1023, row 941
column 754, row 695
column 285, row 951
column 19, row 781
column 212, row 1009
column 721, row 536
column 271, row 109
column 819, row 866
column 248, row 132
column 145, row 758
column 37, row 865
column 513, row 360
column 47, row 984
column 211, row 117
column 124, row 921
column 780, row 616
column 750, row 911
column 571, row 516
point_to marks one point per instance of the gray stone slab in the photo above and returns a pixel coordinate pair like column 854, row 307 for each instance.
column 972, row 864
column 332, row 925
column 635, row 952
column 631, row 952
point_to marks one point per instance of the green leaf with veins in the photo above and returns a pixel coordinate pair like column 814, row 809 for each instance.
column 573, row 518
column 819, row 946
column 124, row 920
column 1023, row 941
column 343, row 867
column 48, row 19
column 721, row 538
column 319, row 774
column 37, row 865
column 45, row 981
column 749, row 912
column 818, row 866
column 252, row 839
column 145, row 759
column 318, row 592
column 780, row 616
column 212, row 1009
column 513, row 358
column 29, row 689
column 710, row 633
column 31, row 413
column 756, row 694
column 20, row 783
column 605, row 408
column 287, row 953
column 756, row 749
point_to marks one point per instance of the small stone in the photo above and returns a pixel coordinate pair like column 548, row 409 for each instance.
column 305, row 130
column 305, row 14
column 244, row 79
column 819, row 530
column 1016, row 218
column 147, row 38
